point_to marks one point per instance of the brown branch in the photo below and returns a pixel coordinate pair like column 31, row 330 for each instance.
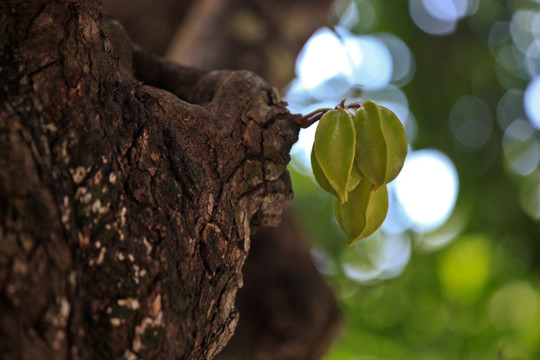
column 305, row 121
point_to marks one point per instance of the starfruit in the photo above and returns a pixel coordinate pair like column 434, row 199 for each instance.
column 381, row 143
column 364, row 212
column 332, row 156
column 321, row 179
column 355, row 178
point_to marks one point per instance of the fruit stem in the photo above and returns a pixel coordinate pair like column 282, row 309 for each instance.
column 305, row 121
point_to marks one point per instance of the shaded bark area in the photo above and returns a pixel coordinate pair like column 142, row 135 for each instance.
column 127, row 202
column 152, row 23
column 287, row 311
column 263, row 36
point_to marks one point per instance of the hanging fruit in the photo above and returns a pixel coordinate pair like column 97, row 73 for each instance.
column 332, row 156
column 353, row 158
column 381, row 143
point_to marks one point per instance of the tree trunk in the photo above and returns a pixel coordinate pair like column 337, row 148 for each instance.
column 127, row 197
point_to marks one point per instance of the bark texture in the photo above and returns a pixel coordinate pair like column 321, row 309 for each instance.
column 127, row 198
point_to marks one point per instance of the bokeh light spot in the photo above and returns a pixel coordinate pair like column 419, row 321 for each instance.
column 376, row 70
column 514, row 306
column 471, row 122
column 464, row 268
column 362, row 61
column 513, row 60
column 377, row 257
column 446, row 10
column 440, row 17
column 510, row 108
column 532, row 101
column 521, row 148
column 499, row 34
column 348, row 18
column 402, row 58
column 427, row 23
column 530, row 195
column 521, row 28
column 314, row 65
column 427, row 189
column 532, row 58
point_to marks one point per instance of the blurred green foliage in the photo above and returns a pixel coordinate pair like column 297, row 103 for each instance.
column 478, row 295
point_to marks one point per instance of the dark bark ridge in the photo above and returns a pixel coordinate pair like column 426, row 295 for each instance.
column 127, row 202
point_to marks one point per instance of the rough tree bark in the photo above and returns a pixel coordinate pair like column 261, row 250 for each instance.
column 286, row 310
column 129, row 188
column 126, row 206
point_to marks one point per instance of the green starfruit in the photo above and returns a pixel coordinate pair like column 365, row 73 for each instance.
column 332, row 156
column 321, row 179
column 381, row 143
column 364, row 212
column 355, row 178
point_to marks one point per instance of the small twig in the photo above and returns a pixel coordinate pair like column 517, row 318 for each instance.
column 305, row 121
